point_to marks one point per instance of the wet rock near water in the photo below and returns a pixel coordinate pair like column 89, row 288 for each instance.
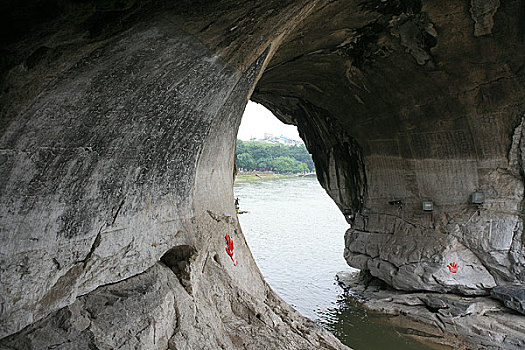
column 348, row 278
column 437, row 318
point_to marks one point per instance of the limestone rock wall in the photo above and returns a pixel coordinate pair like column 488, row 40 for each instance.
column 117, row 133
column 116, row 181
column 426, row 100
column 98, row 188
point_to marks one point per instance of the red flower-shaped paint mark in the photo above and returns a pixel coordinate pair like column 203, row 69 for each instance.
column 453, row 267
column 229, row 249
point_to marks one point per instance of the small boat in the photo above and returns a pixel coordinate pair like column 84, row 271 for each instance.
column 242, row 211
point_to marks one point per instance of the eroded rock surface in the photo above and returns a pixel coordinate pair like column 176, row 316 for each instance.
column 416, row 123
column 512, row 296
column 460, row 322
column 153, row 310
column 483, row 12
column 140, row 312
column 117, row 133
column 446, row 319
column 118, row 130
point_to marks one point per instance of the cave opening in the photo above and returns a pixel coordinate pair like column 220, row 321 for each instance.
column 289, row 221
column 295, row 231
column 117, row 139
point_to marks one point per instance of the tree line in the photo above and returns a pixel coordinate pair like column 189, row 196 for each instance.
column 261, row 156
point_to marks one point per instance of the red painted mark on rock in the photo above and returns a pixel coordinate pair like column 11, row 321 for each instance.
column 453, row 267
column 229, row 249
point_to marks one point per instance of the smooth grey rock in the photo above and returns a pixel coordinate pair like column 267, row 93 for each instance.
column 512, row 296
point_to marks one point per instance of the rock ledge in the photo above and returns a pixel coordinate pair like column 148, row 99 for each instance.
column 446, row 319
column 512, row 296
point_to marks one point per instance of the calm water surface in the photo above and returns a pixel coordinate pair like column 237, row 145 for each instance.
column 296, row 234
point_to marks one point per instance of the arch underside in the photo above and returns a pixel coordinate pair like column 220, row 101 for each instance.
column 116, row 151
column 407, row 109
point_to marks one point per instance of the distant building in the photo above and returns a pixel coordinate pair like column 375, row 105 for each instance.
column 269, row 138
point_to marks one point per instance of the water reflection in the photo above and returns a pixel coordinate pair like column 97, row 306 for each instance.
column 367, row 330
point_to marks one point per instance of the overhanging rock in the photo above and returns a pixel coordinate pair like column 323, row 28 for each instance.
column 117, row 133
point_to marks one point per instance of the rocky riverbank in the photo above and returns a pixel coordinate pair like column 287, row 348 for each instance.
column 443, row 319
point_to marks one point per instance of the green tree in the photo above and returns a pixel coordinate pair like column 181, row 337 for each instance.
column 284, row 164
column 264, row 163
column 300, row 168
column 245, row 160
column 240, row 147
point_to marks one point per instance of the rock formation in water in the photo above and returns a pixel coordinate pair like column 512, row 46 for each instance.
column 117, row 133
column 451, row 320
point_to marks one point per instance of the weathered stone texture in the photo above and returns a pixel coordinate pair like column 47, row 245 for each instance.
column 475, row 323
column 109, row 151
column 455, row 321
column 407, row 261
column 117, row 133
column 117, row 164
column 512, row 296
column 426, row 125
column 482, row 12
column 138, row 313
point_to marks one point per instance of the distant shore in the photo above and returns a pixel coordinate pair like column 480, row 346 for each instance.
column 264, row 175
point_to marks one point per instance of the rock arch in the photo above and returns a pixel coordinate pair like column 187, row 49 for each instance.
column 118, row 125
column 415, row 123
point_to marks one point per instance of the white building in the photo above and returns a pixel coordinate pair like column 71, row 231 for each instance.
column 269, row 138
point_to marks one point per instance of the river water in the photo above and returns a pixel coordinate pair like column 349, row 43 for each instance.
column 296, row 234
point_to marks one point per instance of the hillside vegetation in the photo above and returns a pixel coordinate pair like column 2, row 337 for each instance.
column 260, row 156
